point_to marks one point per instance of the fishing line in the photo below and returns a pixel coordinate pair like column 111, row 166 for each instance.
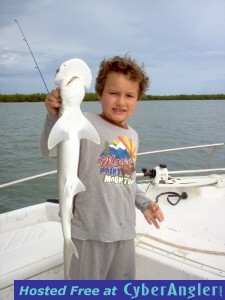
column 36, row 64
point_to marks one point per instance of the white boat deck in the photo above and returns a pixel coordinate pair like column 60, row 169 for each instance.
column 192, row 235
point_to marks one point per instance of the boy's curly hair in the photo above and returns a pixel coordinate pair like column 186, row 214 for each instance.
column 126, row 66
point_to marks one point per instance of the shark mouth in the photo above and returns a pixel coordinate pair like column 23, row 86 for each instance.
column 71, row 80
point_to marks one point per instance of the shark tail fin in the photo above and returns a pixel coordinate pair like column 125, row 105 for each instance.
column 69, row 250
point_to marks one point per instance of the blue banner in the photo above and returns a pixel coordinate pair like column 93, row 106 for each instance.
column 118, row 289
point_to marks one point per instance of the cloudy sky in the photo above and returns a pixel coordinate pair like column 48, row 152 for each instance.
column 180, row 42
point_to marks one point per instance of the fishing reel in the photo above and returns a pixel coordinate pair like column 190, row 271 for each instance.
column 158, row 175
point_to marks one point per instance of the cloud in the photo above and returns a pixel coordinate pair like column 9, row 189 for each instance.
column 180, row 42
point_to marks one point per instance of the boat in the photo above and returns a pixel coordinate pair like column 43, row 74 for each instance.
column 189, row 245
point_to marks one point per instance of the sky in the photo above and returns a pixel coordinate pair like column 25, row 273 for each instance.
column 180, row 42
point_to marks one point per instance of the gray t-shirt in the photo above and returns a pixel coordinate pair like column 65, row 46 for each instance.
column 106, row 210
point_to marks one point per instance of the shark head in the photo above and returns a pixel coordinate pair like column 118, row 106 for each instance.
column 72, row 69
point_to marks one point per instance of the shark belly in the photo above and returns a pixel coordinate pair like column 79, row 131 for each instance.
column 68, row 186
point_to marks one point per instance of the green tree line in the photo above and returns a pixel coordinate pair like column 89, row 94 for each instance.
column 92, row 97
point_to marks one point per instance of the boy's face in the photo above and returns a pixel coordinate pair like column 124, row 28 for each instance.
column 119, row 98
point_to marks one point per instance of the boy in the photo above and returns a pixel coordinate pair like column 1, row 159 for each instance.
column 103, row 226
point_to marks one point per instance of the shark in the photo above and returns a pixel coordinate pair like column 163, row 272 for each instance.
column 74, row 78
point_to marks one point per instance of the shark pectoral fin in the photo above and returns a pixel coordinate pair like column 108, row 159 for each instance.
column 59, row 132
column 53, row 152
column 87, row 131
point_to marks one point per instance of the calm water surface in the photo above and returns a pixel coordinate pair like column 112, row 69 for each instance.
column 160, row 124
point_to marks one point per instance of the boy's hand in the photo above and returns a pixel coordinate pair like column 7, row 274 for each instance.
column 53, row 102
column 153, row 214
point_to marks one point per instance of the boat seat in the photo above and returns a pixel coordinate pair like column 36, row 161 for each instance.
column 31, row 250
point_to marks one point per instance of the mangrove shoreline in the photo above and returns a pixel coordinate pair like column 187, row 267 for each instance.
column 92, row 97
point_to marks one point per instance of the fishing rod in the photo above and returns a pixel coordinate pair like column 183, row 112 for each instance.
column 36, row 64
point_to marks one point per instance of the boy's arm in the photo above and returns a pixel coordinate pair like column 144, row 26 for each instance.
column 151, row 210
column 49, row 123
column 141, row 200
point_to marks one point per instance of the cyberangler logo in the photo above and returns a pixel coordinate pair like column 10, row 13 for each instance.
column 176, row 289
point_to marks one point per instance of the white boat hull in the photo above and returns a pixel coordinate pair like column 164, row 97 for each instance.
column 31, row 246
column 189, row 245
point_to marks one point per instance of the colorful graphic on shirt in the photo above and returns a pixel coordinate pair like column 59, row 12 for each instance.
column 117, row 161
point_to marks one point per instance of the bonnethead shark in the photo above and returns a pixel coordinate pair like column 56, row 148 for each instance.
column 73, row 77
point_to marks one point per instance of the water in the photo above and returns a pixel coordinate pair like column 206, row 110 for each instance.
column 160, row 124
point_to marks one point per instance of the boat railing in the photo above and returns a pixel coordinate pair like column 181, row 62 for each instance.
column 215, row 147
column 4, row 185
